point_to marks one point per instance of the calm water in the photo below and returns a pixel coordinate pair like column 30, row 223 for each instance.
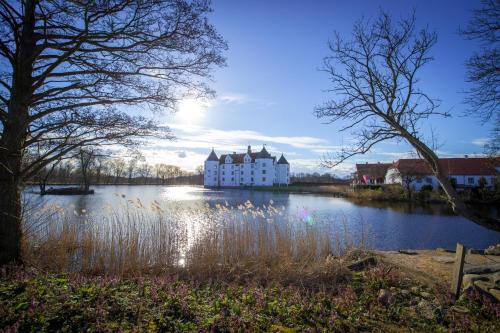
column 386, row 226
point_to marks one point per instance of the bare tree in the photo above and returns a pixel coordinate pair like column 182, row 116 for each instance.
column 86, row 159
column 483, row 67
column 374, row 79
column 117, row 166
column 66, row 67
column 144, row 170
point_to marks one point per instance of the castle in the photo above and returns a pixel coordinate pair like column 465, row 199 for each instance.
column 247, row 169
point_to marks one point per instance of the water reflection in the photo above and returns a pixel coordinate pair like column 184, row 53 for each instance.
column 384, row 225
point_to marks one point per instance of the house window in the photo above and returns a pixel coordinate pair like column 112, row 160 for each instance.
column 251, row 179
column 232, row 179
column 232, row 173
column 263, row 172
column 428, row 180
column 223, row 179
column 470, row 180
column 242, row 172
column 263, row 179
column 419, row 180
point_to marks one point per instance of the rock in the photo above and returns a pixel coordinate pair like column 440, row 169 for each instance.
column 385, row 297
column 404, row 292
column 482, row 269
column 476, row 293
column 493, row 250
column 444, row 259
column 425, row 295
column 362, row 264
column 408, row 252
column 495, row 293
column 484, row 285
column 459, row 309
column 426, row 309
column 392, row 289
column 474, row 251
column 440, row 249
column 469, row 279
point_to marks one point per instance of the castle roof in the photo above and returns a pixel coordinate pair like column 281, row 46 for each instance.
column 282, row 160
column 263, row 153
column 239, row 158
column 212, row 156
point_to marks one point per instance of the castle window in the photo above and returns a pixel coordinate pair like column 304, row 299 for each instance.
column 251, row 172
column 263, row 164
column 215, row 179
column 263, row 179
column 232, row 172
column 232, row 179
column 251, row 179
column 223, row 173
column 223, row 179
column 263, row 172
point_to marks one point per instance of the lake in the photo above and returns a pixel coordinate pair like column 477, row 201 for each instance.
column 381, row 225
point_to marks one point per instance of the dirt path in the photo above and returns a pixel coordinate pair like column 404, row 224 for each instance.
column 431, row 266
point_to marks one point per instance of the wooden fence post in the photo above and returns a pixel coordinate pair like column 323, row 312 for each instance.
column 458, row 267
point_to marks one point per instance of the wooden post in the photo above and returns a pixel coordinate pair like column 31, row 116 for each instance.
column 458, row 267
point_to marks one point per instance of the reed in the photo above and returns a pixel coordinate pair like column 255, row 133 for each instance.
column 228, row 243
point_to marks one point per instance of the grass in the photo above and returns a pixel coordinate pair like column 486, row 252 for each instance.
column 35, row 302
column 244, row 268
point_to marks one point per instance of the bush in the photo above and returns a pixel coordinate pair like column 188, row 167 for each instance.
column 426, row 188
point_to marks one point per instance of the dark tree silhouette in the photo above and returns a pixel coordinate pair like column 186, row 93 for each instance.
column 375, row 85
column 483, row 67
column 69, row 68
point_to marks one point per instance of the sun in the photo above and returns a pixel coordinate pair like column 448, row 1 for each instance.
column 192, row 110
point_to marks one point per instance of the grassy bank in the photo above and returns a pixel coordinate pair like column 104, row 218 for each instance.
column 377, row 299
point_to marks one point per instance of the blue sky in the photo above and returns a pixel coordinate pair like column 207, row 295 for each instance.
column 268, row 90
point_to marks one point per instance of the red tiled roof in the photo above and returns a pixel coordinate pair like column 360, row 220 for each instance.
column 372, row 170
column 451, row 166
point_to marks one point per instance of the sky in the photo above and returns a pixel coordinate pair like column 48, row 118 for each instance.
column 267, row 92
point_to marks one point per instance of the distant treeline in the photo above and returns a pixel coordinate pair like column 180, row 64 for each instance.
column 98, row 169
column 317, row 178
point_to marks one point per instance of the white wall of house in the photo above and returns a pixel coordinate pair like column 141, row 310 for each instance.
column 264, row 172
column 392, row 177
column 282, row 174
column 211, row 173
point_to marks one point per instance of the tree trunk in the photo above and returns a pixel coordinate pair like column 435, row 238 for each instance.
column 13, row 138
column 10, row 222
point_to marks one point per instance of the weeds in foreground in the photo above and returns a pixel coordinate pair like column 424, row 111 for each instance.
column 34, row 302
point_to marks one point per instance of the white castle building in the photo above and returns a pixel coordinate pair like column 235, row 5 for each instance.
column 247, row 169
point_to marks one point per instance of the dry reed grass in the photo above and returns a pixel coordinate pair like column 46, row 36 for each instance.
column 229, row 243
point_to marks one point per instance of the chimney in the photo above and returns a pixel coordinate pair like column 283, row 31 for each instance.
column 249, row 150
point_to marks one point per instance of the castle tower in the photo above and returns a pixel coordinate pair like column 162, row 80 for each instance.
column 211, row 178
